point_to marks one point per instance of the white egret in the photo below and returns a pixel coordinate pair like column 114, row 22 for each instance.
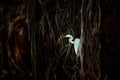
column 75, row 42
column 78, row 50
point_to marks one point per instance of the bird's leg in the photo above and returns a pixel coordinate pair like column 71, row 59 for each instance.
column 82, row 72
column 81, row 61
column 77, row 61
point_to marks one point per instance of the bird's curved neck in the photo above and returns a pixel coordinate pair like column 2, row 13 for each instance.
column 70, row 40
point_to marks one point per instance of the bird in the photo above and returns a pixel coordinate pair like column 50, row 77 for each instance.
column 75, row 42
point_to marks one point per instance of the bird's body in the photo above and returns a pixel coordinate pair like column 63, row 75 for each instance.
column 76, row 45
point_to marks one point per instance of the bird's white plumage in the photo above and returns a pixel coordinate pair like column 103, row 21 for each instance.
column 76, row 44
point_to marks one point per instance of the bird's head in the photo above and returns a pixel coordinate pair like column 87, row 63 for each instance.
column 70, row 38
column 63, row 37
column 68, row 35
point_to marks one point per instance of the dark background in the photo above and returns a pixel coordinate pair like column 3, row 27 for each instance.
column 110, row 57
column 110, row 38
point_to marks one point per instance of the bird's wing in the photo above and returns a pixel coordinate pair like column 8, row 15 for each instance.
column 76, row 44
